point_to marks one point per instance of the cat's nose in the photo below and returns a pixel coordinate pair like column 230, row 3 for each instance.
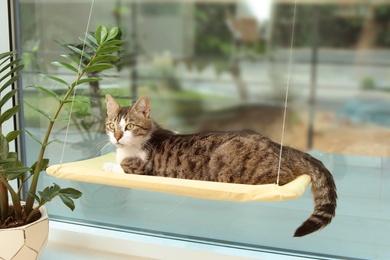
column 118, row 135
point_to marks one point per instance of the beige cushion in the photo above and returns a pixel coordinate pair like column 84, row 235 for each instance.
column 92, row 171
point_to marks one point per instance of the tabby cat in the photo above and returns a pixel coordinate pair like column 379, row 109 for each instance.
column 143, row 147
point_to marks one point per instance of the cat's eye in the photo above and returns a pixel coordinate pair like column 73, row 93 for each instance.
column 129, row 126
column 111, row 126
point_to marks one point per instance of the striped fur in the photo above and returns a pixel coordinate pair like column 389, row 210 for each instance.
column 245, row 157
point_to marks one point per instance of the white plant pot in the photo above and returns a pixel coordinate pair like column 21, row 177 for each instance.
column 25, row 242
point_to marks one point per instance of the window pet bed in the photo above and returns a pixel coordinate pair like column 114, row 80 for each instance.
column 91, row 171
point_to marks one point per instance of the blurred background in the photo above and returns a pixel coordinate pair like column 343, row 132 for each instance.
column 226, row 65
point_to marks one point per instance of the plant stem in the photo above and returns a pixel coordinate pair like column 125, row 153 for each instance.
column 15, row 199
column 32, row 213
column 33, row 187
column 21, row 185
column 37, row 171
column 3, row 202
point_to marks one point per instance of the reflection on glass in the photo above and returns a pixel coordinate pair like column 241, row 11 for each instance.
column 223, row 65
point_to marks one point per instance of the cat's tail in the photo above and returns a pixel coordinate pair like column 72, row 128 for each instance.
column 325, row 196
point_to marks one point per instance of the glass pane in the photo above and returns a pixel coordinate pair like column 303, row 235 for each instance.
column 226, row 65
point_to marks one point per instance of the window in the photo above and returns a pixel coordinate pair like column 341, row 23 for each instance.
column 224, row 65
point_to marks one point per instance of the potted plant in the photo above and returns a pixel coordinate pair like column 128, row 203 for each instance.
column 24, row 225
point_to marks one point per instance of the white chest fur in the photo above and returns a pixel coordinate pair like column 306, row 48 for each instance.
column 122, row 153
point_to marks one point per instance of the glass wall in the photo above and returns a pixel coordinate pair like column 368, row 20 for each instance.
column 226, row 65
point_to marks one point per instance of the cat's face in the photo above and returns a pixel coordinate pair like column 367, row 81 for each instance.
column 128, row 126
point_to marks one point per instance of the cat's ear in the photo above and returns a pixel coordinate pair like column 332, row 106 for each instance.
column 142, row 106
column 112, row 105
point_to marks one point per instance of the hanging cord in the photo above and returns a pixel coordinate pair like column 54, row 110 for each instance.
column 287, row 89
column 74, row 90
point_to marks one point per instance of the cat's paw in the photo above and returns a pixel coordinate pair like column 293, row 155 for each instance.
column 112, row 167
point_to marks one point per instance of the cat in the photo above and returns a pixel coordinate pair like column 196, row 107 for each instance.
column 245, row 157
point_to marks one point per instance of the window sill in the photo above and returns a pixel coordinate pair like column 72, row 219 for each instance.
column 77, row 242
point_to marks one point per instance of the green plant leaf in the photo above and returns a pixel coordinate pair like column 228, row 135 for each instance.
column 81, row 81
column 8, row 160
column 9, row 65
column 68, row 202
column 104, row 58
column 14, row 70
column 112, row 43
column 98, row 32
column 108, row 49
column 71, row 193
column 49, row 193
column 12, row 135
column 4, row 148
column 58, row 120
column 101, row 34
column 45, row 163
column 79, row 99
column 47, row 91
column 63, row 82
column 13, row 173
column 9, row 113
column 67, row 195
column 92, row 39
column 98, row 67
column 76, row 60
column 7, row 55
column 13, row 169
column 16, row 170
column 52, row 141
column 82, row 53
column 65, row 65
column 33, row 137
column 38, row 110
column 7, row 97
column 88, row 44
column 9, row 82
column 112, row 33
column 15, row 160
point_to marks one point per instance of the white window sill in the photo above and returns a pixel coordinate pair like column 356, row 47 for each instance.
column 76, row 242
